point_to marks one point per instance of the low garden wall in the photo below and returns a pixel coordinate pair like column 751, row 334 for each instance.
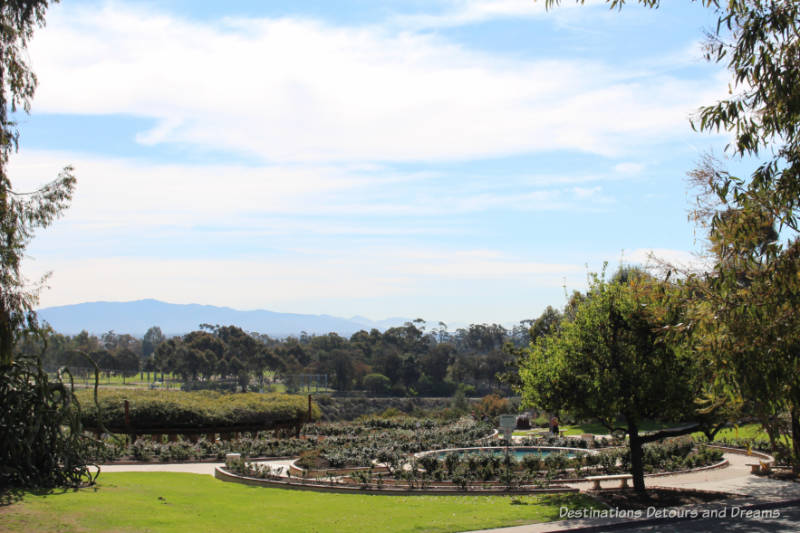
column 298, row 484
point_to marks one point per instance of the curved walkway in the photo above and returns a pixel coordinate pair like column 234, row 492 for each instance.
column 735, row 478
column 190, row 468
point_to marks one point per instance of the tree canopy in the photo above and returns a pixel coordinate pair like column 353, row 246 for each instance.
column 20, row 212
column 609, row 362
column 743, row 319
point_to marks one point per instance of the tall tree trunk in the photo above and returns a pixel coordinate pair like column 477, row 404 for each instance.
column 637, row 464
column 795, row 414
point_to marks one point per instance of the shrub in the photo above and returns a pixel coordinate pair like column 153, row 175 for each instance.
column 491, row 406
column 309, row 459
column 541, row 422
column 153, row 410
column 377, row 383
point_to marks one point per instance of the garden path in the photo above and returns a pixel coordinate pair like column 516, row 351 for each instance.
column 192, row 468
column 735, row 478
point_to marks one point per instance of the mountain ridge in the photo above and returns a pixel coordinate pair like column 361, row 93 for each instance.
column 137, row 316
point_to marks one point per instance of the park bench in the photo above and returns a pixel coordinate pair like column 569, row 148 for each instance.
column 760, row 468
column 622, row 477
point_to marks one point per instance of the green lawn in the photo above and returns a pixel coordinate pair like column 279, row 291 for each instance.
column 163, row 502
column 596, row 428
column 138, row 380
column 745, row 432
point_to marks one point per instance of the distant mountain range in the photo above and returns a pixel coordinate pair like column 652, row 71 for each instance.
column 138, row 316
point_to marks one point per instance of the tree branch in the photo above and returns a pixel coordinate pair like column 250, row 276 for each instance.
column 671, row 432
column 610, row 426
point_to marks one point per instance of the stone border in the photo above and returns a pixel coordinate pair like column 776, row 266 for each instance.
column 298, row 483
column 721, row 464
column 741, row 451
column 224, row 475
column 298, row 471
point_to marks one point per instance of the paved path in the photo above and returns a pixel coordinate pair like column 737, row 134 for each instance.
column 192, row 468
column 735, row 479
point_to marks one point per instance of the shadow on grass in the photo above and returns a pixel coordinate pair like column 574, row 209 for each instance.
column 12, row 495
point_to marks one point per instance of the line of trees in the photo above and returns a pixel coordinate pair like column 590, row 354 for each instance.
column 405, row 360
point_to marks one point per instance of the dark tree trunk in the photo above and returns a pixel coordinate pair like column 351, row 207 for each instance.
column 637, row 464
column 795, row 414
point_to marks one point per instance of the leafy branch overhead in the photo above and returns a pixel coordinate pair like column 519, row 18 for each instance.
column 20, row 213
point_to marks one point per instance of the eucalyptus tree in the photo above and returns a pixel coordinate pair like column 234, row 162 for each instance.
column 21, row 212
column 41, row 442
column 152, row 338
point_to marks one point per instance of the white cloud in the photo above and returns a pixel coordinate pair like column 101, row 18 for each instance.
column 119, row 196
column 131, row 193
column 464, row 12
column 301, row 90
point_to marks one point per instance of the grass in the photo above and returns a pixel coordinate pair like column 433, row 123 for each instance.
column 139, row 380
column 746, row 432
column 597, row 428
column 165, row 502
column 144, row 380
column 743, row 432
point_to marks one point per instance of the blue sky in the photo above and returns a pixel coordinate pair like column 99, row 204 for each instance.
column 455, row 160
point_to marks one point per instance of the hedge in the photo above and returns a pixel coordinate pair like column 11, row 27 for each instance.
column 175, row 410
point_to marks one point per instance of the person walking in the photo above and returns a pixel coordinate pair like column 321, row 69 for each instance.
column 554, row 426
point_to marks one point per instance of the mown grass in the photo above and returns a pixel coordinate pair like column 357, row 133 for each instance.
column 597, row 428
column 140, row 380
column 166, row 502
column 742, row 432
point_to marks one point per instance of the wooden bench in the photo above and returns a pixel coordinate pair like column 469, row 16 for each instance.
column 622, row 477
column 760, row 468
